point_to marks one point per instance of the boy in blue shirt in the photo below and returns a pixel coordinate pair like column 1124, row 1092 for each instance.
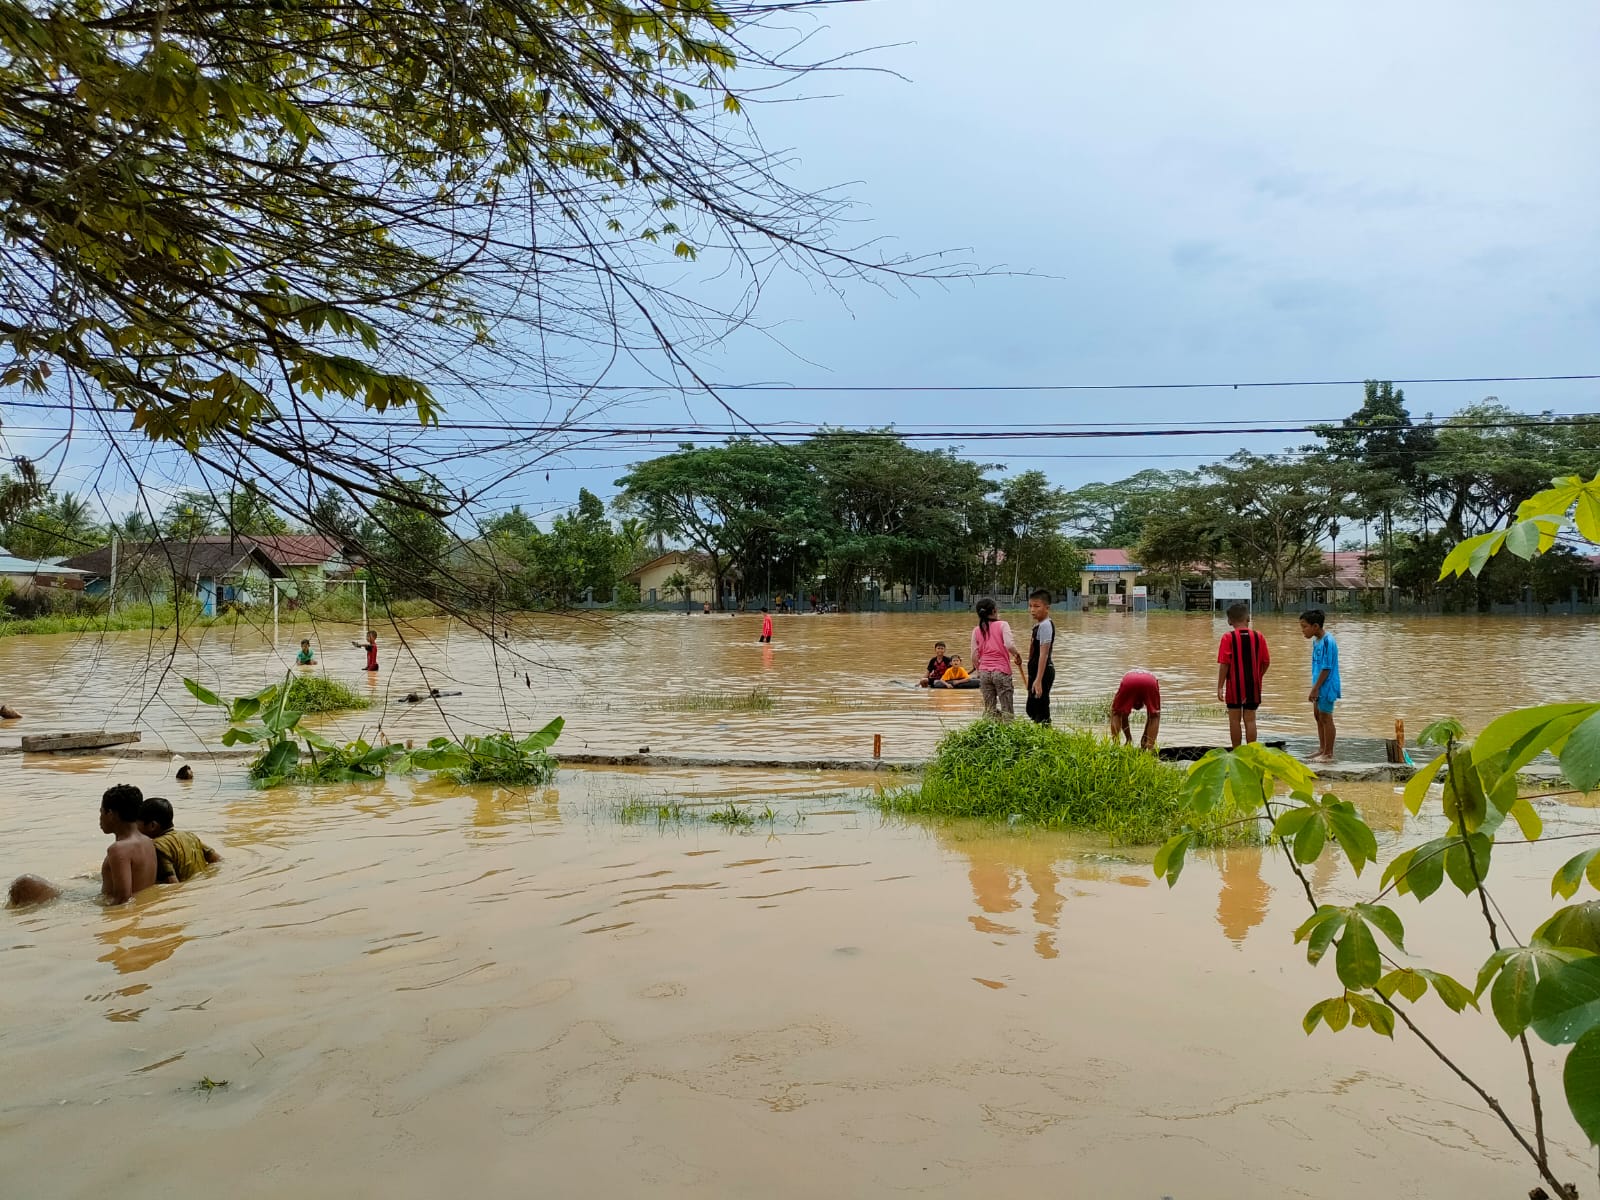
column 1325, row 688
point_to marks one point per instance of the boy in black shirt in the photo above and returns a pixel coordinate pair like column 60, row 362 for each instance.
column 1041, row 671
column 937, row 666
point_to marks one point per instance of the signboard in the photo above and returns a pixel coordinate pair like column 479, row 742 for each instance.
column 1231, row 589
column 1140, row 591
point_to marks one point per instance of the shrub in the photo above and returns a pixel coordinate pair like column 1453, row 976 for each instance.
column 1054, row 779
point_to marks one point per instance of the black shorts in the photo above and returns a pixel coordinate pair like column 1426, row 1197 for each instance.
column 1251, row 707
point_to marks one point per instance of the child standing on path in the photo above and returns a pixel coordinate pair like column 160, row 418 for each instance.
column 1242, row 660
column 1325, row 684
column 1041, row 670
column 993, row 652
column 766, row 624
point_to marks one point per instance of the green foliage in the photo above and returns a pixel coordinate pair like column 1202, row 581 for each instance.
column 1055, row 779
column 1549, row 986
column 318, row 694
column 291, row 754
column 499, row 758
column 44, row 524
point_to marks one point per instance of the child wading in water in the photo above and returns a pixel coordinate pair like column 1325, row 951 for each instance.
column 372, row 651
column 993, row 652
column 1325, row 684
column 180, row 855
column 766, row 625
column 305, row 658
column 1041, row 665
column 1242, row 660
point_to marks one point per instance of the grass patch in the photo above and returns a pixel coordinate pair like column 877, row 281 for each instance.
column 506, row 759
column 316, row 694
column 1054, row 779
column 1098, row 712
column 636, row 810
column 128, row 617
column 753, row 701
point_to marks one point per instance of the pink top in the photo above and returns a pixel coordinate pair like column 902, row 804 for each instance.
column 993, row 653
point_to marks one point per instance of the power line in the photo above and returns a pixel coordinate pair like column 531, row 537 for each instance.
column 774, row 386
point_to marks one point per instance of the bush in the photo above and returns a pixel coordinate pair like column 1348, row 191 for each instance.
column 1054, row 779
column 315, row 694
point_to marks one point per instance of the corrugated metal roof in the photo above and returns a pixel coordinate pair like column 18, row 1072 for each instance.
column 11, row 565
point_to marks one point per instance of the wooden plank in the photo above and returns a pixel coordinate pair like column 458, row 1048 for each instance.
column 44, row 743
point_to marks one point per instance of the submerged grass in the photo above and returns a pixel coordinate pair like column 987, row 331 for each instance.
column 316, row 694
column 1055, row 779
column 753, row 701
column 1098, row 712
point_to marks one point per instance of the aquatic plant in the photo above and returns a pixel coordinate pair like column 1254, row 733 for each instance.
column 752, row 701
column 732, row 815
column 319, row 694
column 291, row 753
column 501, row 758
column 1054, row 778
column 1547, row 982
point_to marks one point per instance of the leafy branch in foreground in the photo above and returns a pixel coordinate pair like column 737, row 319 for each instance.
column 1549, row 985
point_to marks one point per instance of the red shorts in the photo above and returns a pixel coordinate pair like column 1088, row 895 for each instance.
column 1138, row 689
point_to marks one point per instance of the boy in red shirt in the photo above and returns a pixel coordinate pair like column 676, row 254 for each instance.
column 1138, row 689
column 1242, row 660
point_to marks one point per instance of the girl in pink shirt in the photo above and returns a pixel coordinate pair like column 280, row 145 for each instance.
column 993, row 652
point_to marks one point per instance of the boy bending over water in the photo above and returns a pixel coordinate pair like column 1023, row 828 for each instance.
column 130, row 864
column 179, row 855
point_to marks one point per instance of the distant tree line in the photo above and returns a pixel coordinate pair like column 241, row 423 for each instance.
column 846, row 512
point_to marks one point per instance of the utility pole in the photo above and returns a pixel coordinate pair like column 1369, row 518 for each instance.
column 113, row 605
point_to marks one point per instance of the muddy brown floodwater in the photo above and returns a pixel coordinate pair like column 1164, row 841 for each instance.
column 420, row 988
column 835, row 681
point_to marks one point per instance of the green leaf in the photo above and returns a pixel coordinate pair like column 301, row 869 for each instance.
column 1169, row 859
column 1357, row 960
column 1372, row 1015
column 1465, row 555
column 1523, row 538
column 1319, row 930
column 1309, row 841
column 1407, row 982
column 544, row 738
column 1277, row 764
column 1455, row 994
column 1442, row 732
column 1524, row 733
column 1223, row 779
column 1420, row 870
column 1417, row 786
column 233, row 735
column 1467, row 861
column 1516, row 972
column 1586, row 515
column 279, row 760
column 1566, row 881
column 1358, row 842
column 1466, row 803
column 1387, row 920
column 244, row 708
column 1335, row 1013
column 1292, row 820
column 1527, row 819
column 1576, row 926
column 1580, row 1079
column 1580, row 757
column 202, row 693
column 281, row 720
column 1566, row 1001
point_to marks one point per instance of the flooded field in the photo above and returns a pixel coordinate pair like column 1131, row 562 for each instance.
column 425, row 988
column 835, row 681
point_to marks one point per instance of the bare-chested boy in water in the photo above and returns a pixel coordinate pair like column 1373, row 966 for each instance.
column 130, row 864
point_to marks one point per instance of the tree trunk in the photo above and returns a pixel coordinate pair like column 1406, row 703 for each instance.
column 1388, row 559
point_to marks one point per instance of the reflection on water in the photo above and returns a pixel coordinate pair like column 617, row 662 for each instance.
column 836, row 681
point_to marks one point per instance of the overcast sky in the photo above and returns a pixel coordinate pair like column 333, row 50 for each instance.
column 1232, row 191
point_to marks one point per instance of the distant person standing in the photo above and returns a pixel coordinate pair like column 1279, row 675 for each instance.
column 1138, row 689
column 1041, row 670
column 1325, row 684
column 372, row 651
column 766, row 624
column 1242, row 662
column 993, row 651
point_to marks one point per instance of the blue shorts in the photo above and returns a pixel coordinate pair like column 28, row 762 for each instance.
column 1325, row 705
